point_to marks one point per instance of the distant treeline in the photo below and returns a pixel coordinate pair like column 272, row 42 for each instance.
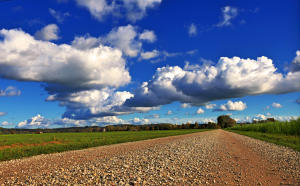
column 124, row 127
column 224, row 121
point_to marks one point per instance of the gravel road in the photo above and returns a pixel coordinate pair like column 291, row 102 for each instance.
column 214, row 157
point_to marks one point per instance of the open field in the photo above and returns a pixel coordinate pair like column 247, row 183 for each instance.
column 279, row 139
column 279, row 127
column 281, row 133
column 213, row 157
column 23, row 145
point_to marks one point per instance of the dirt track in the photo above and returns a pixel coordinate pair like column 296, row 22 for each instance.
column 214, row 157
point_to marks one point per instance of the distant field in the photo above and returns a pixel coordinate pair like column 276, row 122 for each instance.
column 15, row 146
column 281, row 133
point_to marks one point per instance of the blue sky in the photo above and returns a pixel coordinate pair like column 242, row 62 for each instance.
column 97, row 62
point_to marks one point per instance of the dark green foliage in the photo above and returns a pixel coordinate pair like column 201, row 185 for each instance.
column 196, row 125
column 212, row 125
column 226, row 121
column 271, row 120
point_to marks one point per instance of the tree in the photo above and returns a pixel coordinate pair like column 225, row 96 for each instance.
column 196, row 125
column 225, row 121
column 212, row 125
column 270, row 120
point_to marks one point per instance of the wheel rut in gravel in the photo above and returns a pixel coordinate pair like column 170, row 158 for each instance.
column 214, row 157
column 246, row 165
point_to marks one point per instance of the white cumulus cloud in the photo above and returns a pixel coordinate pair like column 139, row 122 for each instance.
column 10, row 91
column 60, row 17
column 228, row 13
column 192, row 30
column 139, row 121
column 210, row 106
column 92, row 103
column 6, row 123
column 150, row 54
column 98, row 8
column 124, row 38
column 132, row 10
column 26, row 59
column 87, row 75
column 108, row 120
column 148, row 35
column 295, row 66
column 96, row 103
column 276, row 105
column 233, row 106
column 259, row 117
column 37, row 121
column 185, row 105
column 137, row 9
column 85, row 42
column 229, row 78
column 48, row 33
column 200, row 111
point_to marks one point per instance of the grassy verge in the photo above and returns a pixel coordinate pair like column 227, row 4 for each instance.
column 279, row 139
column 278, row 127
column 281, row 133
column 23, row 145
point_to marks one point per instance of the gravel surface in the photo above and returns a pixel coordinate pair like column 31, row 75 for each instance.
column 213, row 157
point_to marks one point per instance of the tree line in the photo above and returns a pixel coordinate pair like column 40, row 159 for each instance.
column 108, row 128
column 223, row 121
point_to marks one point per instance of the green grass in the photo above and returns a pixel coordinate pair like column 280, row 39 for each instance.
column 279, row 139
column 278, row 127
column 281, row 133
column 73, row 141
